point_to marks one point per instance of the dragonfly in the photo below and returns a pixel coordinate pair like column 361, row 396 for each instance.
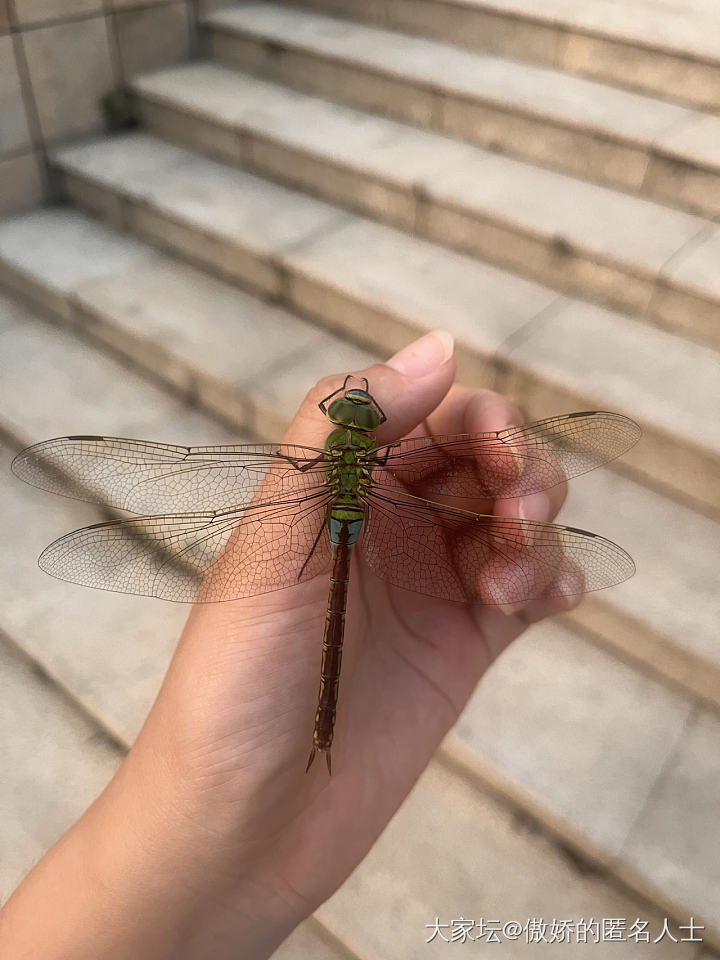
column 221, row 523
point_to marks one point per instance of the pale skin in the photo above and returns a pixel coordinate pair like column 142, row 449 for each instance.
column 211, row 840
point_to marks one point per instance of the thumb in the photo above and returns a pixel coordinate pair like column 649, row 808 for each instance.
column 407, row 387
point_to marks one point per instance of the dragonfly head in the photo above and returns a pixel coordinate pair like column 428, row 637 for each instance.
column 353, row 407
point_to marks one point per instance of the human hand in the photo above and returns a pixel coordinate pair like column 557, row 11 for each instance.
column 235, row 714
column 214, row 792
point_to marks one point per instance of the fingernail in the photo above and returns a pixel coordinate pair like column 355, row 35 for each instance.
column 535, row 506
column 423, row 356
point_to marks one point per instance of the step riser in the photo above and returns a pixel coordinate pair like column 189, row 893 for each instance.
column 585, row 153
column 669, row 75
column 666, row 460
column 546, row 259
column 674, row 77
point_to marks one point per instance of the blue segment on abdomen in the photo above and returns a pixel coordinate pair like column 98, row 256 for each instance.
column 353, row 527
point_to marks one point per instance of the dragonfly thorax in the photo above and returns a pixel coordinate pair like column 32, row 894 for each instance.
column 350, row 467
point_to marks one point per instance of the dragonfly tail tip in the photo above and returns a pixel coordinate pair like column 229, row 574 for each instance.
column 312, row 757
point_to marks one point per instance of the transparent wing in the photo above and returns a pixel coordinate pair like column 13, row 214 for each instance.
column 457, row 555
column 152, row 478
column 510, row 463
column 198, row 556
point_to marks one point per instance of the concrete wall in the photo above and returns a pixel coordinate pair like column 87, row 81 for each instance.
column 58, row 58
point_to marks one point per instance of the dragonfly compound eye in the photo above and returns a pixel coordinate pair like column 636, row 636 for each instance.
column 357, row 410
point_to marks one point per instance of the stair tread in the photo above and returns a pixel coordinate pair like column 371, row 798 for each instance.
column 649, row 23
column 51, row 387
column 308, row 122
column 54, row 764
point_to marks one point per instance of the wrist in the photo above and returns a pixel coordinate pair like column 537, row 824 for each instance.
column 133, row 879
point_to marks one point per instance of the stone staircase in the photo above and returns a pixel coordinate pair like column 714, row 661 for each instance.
column 308, row 197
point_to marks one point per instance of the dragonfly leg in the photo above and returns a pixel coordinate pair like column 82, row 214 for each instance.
column 382, row 460
column 305, row 466
column 312, row 551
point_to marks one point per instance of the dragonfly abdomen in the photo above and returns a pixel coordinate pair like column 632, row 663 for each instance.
column 344, row 528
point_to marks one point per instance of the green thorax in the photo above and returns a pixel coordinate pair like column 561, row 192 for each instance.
column 350, row 465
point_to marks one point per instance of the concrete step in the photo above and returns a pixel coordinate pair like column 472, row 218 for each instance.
column 536, row 755
column 55, row 760
column 623, row 251
column 380, row 286
column 667, row 616
column 512, row 873
column 174, row 323
column 663, row 47
column 593, row 130
column 593, row 722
